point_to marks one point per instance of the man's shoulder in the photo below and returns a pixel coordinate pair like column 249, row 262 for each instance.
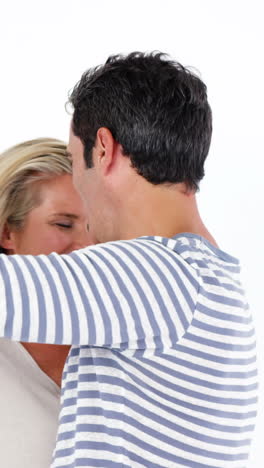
column 190, row 250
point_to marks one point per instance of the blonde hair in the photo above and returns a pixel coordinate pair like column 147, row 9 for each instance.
column 22, row 166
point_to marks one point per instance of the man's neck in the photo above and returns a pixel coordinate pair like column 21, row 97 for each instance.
column 163, row 212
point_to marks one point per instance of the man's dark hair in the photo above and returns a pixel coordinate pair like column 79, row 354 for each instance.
column 154, row 107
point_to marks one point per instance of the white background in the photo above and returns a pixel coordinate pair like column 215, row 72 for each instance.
column 46, row 45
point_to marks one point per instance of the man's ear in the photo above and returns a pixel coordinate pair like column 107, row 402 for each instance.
column 7, row 240
column 104, row 149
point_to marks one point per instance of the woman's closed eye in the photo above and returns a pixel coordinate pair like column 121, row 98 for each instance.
column 64, row 225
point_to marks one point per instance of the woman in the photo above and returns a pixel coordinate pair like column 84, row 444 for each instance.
column 40, row 212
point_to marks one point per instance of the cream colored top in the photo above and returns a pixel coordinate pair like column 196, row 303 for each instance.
column 29, row 409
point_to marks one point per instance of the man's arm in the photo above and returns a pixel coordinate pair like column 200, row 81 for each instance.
column 126, row 294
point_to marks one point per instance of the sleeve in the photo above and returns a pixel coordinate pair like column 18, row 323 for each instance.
column 127, row 294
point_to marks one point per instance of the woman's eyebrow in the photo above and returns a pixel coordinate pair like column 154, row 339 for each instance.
column 66, row 215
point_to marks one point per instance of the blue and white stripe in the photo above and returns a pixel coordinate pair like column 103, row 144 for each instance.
column 162, row 371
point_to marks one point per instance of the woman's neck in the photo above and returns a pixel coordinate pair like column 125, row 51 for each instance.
column 50, row 358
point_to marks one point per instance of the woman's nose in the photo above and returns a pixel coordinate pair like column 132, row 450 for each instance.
column 82, row 240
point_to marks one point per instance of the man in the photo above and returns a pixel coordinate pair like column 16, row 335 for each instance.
column 162, row 372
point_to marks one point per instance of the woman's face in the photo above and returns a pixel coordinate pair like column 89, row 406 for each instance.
column 57, row 224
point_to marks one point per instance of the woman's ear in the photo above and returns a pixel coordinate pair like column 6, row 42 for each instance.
column 7, row 239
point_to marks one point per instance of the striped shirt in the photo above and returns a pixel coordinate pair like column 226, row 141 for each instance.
column 162, row 371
